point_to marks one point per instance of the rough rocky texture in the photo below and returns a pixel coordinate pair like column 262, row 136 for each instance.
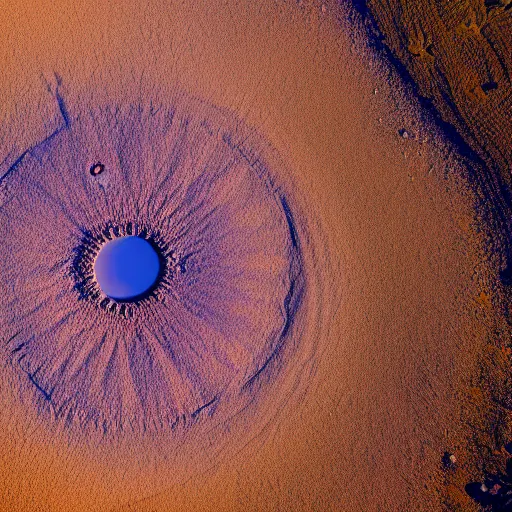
column 458, row 56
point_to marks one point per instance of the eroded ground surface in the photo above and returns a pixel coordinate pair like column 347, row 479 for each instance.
column 458, row 56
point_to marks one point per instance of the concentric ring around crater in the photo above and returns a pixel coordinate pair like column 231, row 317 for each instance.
column 184, row 180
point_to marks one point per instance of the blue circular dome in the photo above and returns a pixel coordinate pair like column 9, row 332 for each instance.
column 126, row 268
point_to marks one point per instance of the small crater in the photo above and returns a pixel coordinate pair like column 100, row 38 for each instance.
column 96, row 169
column 489, row 86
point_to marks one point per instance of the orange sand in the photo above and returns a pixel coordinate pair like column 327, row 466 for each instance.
column 384, row 401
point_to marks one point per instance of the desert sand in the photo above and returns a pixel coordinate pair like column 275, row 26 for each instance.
column 409, row 297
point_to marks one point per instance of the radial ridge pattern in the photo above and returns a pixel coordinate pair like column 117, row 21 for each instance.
column 185, row 180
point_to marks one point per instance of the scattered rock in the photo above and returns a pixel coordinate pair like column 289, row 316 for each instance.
column 405, row 134
column 449, row 460
column 495, row 491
